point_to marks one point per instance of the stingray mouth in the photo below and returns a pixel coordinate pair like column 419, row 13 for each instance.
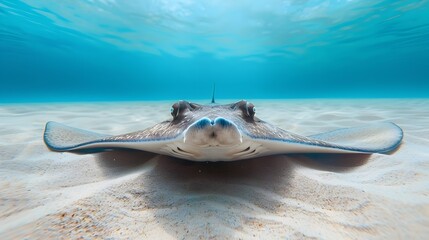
column 216, row 139
column 218, row 132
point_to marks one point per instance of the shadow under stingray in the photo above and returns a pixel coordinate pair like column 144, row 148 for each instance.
column 185, row 193
column 330, row 162
column 122, row 161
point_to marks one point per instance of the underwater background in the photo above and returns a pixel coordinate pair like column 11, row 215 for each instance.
column 109, row 50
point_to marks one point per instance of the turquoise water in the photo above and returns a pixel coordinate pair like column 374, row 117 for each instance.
column 113, row 50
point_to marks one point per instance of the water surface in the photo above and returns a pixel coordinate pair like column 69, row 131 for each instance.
column 147, row 50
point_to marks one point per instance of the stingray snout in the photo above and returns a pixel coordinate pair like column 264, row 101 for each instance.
column 213, row 132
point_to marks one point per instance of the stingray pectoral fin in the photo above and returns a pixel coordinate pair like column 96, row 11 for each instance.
column 374, row 138
column 59, row 137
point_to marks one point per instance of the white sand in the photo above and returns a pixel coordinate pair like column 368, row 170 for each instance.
column 140, row 195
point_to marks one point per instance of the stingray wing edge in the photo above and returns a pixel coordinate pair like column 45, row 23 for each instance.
column 374, row 138
column 62, row 138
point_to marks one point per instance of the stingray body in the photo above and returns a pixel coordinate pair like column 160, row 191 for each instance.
column 225, row 133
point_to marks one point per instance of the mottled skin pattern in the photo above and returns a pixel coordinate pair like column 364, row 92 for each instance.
column 188, row 113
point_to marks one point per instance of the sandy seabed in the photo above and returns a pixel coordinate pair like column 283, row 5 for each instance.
column 138, row 195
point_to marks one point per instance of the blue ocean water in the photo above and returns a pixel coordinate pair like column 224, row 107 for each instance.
column 109, row 50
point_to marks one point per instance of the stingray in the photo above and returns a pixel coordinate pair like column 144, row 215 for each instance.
column 225, row 133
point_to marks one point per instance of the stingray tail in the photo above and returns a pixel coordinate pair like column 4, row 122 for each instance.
column 213, row 95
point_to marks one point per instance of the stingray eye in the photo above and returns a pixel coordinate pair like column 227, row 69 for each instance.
column 175, row 110
column 250, row 109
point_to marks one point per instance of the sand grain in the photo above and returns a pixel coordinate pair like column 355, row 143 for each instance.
column 131, row 194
